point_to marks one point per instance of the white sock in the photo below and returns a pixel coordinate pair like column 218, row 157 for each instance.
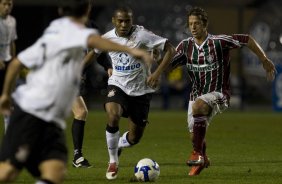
column 112, row 143
column 40, row 182
column 6, row 122
column 123, row 143
column 44, row 182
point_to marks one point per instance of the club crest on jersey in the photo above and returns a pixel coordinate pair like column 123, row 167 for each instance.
column 112, row 93
column 123, row 58
column 210, row 58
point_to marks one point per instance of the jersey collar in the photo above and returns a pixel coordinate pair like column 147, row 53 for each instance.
column 201, row 46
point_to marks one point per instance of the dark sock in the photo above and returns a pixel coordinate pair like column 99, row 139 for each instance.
column 77, row 136
column 204, row 147
column 199, row 132
column 112, row 129
column 44, row 181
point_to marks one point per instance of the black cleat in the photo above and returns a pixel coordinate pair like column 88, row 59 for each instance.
column 81, row 162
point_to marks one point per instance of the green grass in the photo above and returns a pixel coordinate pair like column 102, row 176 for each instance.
column 244, row 148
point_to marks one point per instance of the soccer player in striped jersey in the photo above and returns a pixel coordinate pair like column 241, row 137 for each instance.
column 208, row 63
column 8, row 35
column 131, row 85
column 35, row 137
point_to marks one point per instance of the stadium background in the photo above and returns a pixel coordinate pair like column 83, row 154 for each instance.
column 261, row 18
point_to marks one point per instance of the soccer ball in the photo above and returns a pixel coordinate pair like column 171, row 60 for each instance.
column 147, row 170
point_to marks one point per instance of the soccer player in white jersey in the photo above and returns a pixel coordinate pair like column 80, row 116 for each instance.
column 8, row 35
column 131, row 85
column 35, row 136
column 207, row 58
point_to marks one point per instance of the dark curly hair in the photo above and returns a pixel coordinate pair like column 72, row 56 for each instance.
column 125, row 9
column 199, row 12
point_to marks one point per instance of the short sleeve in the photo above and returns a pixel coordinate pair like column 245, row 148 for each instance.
column 152, row 40
column 33, row 55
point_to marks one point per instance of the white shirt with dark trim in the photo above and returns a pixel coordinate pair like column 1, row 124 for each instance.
column 130, row 73
column 55, row 68
column 8, row 34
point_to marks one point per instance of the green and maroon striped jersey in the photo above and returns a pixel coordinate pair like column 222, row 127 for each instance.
column 208, row 64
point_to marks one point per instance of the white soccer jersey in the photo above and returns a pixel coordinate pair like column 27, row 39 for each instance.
column 55, row 63
column 129, row 73
column 8, row 34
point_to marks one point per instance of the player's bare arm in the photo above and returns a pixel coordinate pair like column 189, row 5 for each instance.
column 266, row 62
column 98, row 42
column 88, row 58
column 153, row 79
column 9, row 83
column 13, row 49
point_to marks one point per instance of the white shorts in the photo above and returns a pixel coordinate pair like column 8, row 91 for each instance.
column 217, row 101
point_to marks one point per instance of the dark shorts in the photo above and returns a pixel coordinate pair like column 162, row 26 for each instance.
column 135, row 107
column 30, row 140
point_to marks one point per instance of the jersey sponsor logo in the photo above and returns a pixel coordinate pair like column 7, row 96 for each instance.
column 123, row 60
column 127, row 68
column 202, row 68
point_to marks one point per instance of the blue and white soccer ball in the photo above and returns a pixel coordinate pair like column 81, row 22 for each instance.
column 147, row 170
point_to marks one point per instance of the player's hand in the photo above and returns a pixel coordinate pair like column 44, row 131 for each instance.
column 269, row 67
column 5, row 105
column 2, row 65
column 153, row 81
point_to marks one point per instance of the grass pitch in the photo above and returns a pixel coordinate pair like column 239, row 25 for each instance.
column 244, row 148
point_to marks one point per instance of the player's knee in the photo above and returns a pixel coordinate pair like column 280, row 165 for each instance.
column 7, row 173
column 200, row 107
column 4, row 178
column 81, row 114
column 53, row 171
